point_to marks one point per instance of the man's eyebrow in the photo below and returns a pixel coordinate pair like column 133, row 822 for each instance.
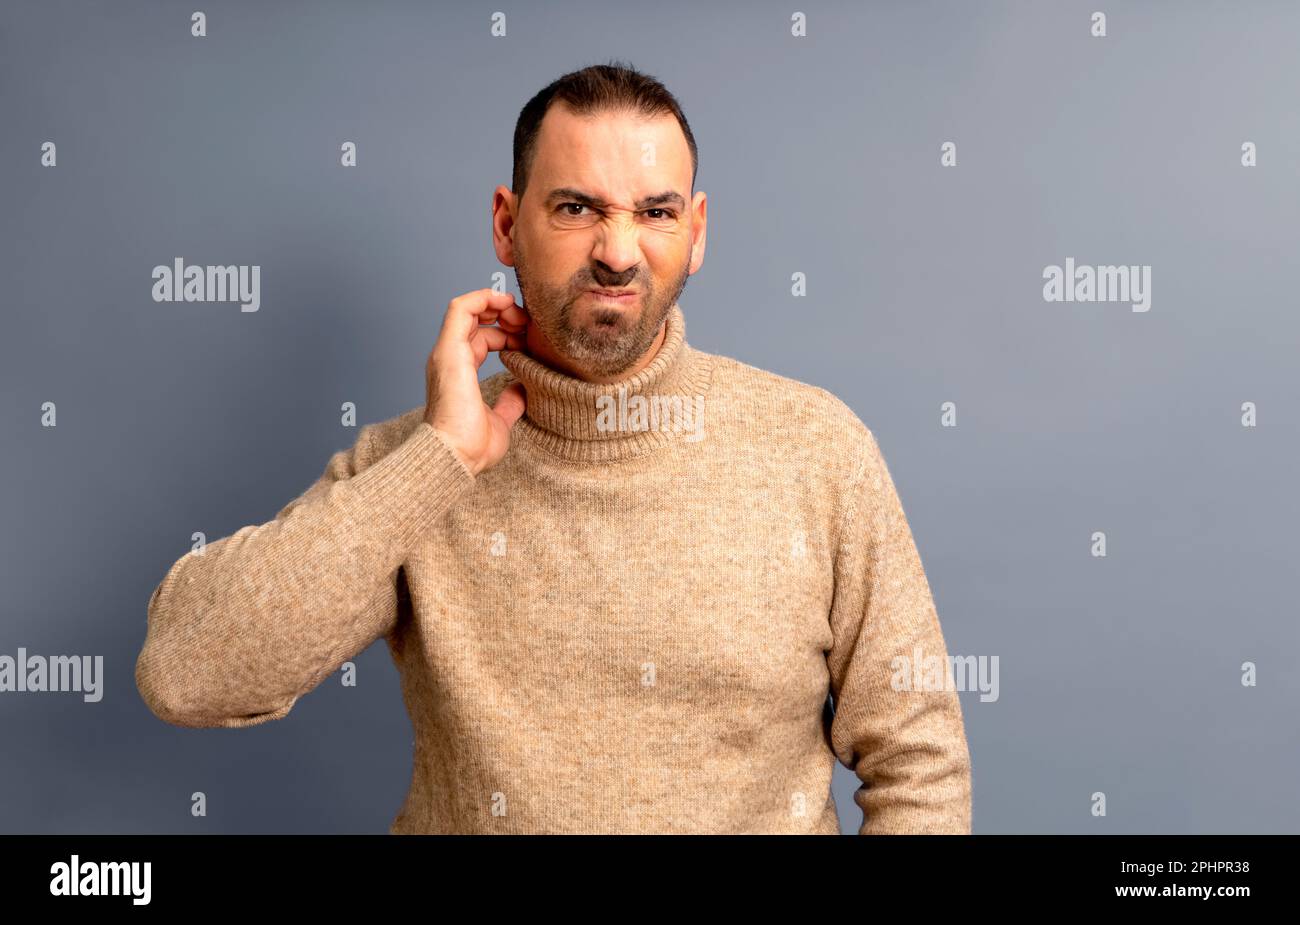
column 569, row 194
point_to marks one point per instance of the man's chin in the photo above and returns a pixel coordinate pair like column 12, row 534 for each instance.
column 604, row 325
column 604, row 349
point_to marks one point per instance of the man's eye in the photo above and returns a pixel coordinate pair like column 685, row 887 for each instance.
column 662, row 214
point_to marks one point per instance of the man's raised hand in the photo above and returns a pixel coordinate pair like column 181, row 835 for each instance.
column 454, row 406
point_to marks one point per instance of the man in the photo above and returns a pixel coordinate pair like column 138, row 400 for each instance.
column 618, row 579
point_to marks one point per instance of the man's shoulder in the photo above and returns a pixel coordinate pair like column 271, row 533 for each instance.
column 379, row 438
column 796, row 424
column 770, row 399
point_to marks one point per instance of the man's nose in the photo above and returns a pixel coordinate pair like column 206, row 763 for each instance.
column 618, row 244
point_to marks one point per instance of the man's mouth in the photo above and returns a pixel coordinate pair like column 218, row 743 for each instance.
column 614, row 296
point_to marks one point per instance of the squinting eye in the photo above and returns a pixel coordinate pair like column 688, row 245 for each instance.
column 575, row 205
column 666, row 213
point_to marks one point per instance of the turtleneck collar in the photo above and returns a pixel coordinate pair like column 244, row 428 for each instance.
column 599, row 422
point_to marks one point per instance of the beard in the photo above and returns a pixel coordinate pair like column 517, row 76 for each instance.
column 599, row 340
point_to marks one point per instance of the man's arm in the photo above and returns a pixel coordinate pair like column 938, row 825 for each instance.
column 908, row 747
column 238, row 633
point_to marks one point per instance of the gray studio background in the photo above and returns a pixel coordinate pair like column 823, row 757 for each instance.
column 821, row 155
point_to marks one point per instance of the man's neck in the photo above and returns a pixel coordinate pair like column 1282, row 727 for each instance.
column 539, row 348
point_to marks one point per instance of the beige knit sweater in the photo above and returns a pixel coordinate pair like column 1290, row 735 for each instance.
column 627, row 625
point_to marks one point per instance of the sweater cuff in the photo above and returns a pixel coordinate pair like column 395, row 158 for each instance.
column 413, row 486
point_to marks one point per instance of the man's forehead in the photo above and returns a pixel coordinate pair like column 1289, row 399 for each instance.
column 573, row 149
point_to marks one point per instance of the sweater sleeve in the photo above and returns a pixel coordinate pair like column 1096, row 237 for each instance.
column 907, row 746
column 238, row 632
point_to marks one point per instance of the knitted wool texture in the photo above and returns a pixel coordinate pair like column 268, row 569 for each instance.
column 626, row 626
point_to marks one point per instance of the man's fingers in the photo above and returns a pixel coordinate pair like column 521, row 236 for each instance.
column 488, row 317
column 463, row 311
column 511, row 318
column 514, row 315
column 484, row 340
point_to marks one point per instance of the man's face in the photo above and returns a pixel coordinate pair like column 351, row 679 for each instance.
column 606, row 206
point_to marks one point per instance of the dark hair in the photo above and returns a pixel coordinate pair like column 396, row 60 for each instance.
column 595, row 89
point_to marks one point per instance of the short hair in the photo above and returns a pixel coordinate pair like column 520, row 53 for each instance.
column 599, row 88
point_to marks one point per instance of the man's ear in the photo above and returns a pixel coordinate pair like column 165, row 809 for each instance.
column 699, row 230
column 504, row 212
